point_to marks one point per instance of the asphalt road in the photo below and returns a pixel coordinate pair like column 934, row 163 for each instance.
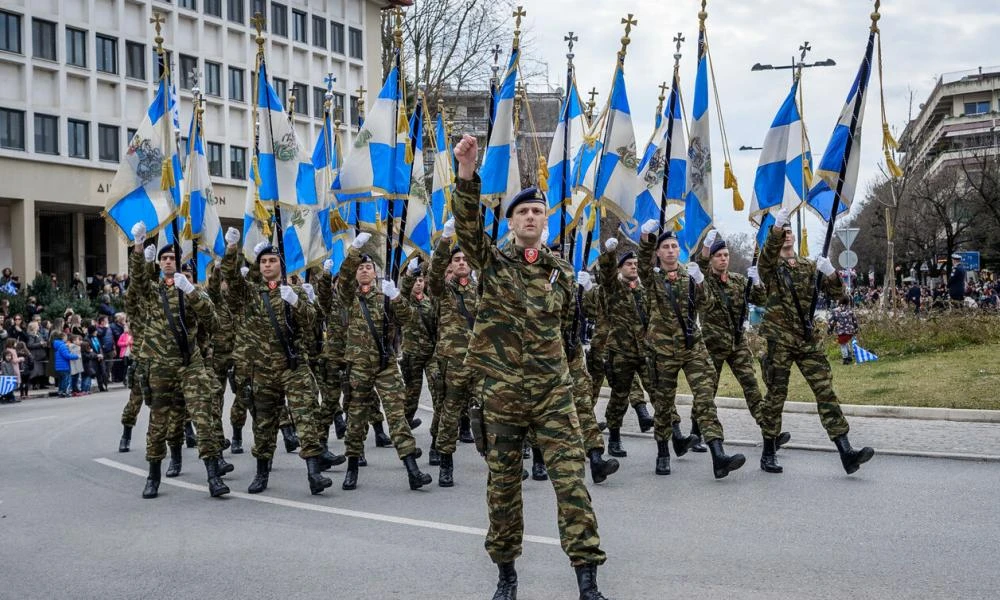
column 73, row 525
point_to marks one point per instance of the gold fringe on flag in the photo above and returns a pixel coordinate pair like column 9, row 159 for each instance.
column 889, row 144
column 804, row 243
column 167, row 174
column 543, row 175
column 186, row 213
column 337, row 222
column 730, row 183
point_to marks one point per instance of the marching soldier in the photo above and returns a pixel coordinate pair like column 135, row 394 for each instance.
column 518, row 355
column 674, row 294
column 419, row 339
column 788, row 328
column 133, row 375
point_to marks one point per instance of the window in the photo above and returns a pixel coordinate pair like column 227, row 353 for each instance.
column 475, row 112
column 213, row 8
column 188, row 66
column 107, row 54
column 237, row 162
column 214, row 159
column 301, row 98
column 337, row 37
column 46, row 134
column 237, row 90
column 43, row 39
column 11, row 129
column 79, row 138
column 235, row 9
column 338, row 104
column 192, row 4
column 108, row 143
column 977, row 108
column 259, row 7
column 319, row 99
column 319, row 32
column 299, row 27
column 135, row 60
column 159, row 62
column 279, row 19
column 355, row 113
column 355, row 41
column 76, row 47
column 129, row 134
column 10, row 32
column 213, row 79
column 280, row 89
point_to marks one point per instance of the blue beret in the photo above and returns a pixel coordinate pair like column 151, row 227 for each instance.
column 531, row 194
column 669, row 234
column 624, row 257
column 718, row 245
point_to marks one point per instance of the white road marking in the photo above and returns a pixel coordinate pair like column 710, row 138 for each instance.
column 537, row 539
column 27, row 420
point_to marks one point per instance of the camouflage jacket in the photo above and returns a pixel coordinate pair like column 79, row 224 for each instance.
column 525, row 305
column 595, row 309
column 780, row 276
column 224, row 340
column 421, row 330
column 666, row 296
column 362, row 349
column 457, row 305
column 261, row 347
column 136, row 304
column 627, row 314
column 336, row 318
column 721, row 320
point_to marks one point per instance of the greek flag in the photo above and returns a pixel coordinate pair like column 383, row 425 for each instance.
column 257, row 220
column 500, row 173
column 565, row 146
column 698, row 206
column 861, row 355
column 8, row 383
column 666, row 156
column 783, row 172
column 146, row 186
column 201, row 218
column 286, row 173
column 325, row 160
column 617, row 178
column 443, row 182
column 419, row 217
column 843, row 152
column 589, row 221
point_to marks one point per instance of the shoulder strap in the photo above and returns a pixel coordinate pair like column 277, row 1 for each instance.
column 383, row 357
column 688, row 340
column 637, row 299
column 727, row 302
column 279, row 331
column 179, row 337
column 462, row 309
column 807, row 326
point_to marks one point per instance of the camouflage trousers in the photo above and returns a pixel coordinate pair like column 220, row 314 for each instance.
column 328, row 378
column 626, row 372
column 169, row 386
column 131, row 411
column 815, row 368
column 435, row 386
column 597, row 367
column 740, row 361
column 583, row 401
column 221, row 366
column 238, row 414
column 459, row 384
column 697, row 367
column 270, row 391
column 388, row 383
column 544, row 404
column 414, row 366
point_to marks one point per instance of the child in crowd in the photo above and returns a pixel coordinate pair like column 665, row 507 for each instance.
column 26, row 365
column 845, row 325
column 10, row 368
column 63, row 358
column 76, row 365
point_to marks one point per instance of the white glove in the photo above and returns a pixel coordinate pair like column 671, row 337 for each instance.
column 650, row 226
column 711, row 237
column 310, row 292
column 413, row 267
column 244, row 270
column 583, row 278
column 149, row 253
column 448, row 230
column 289, row 295
column 753, row 275
column 611, row 244
column 694, row 272
column 825, row 266
column 389, row 289
column 217, row 262
column 782, row 218
column 361, row 239
column 328, row 264
column 182, row 283
column 260, row 247
column 139, row 232
column 232, row 236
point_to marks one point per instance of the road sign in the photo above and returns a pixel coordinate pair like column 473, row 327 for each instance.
column 847, row 236
column 847, row 259
column 970, row 260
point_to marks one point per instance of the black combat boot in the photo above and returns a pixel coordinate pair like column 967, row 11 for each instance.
column 783, row 438
column 215, row 485
column 697, row 446
column 433, row 456
column 465, row 431
column 662, row 457
column 174, row 468
column 362, row 460
column 446, row 476
column 224, row 467
column 682, row 443
column 259, row 483
column 645, row 421
column 600, row 468
column 126, row 441
column 417, row 479
column 317, row 482
column 722, row 463
column 328, row 459
column 602, row 426
column 526, row 452
column 225, row 444
column 768, row 461
column 538, row 470
column 381, row 439
column 152, row 480
column 852, row 459
column 339, row 426
column 291, row 439
column 615, row 447
column 351, row 477
column 237, row 447
column 412, row 419
column 190, row 440
column 586, row 579
column 506, row 583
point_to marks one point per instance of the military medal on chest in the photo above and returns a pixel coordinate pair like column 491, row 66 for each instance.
column 531, row 255
column 272, row 285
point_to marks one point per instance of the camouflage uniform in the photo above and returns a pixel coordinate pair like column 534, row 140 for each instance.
column 597, row 355
column 134, row 375
column 419, row 339
column 517, row 350
column 223, row 342
column 786, row 339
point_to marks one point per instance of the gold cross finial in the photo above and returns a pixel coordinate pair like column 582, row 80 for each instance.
column 518, row 14
column 663, row 90
column 158, row 20
column 592, row 102
column 397, row 29
column 875, row 16
column 628, row 22
column 259, row 23
column 703, row 13
column 679, row 39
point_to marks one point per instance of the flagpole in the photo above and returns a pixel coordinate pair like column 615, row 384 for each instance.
column 671, row 105
column 491, row 113
column 391, row 270
column 566, row 164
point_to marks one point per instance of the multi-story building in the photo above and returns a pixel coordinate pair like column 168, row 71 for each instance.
column 78, row 75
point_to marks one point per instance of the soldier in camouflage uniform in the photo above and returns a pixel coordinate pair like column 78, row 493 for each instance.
column 518, row 355
column 275, row 325
column 673, row 294
column 170, row 342
column 791, row 338
column 372, row 365
column 133, row 375
column 331, row 358
column 419, row 339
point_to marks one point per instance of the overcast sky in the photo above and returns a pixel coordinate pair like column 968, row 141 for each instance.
column 921, row 39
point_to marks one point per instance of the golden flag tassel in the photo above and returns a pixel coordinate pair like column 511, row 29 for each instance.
column 729, row 183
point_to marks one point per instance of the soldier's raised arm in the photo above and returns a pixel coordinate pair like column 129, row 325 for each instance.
column 349, row 268
column 440, row 259
column 239, row 289
column 768, row 261
column 465, row 205
column 647, row 248
column 324, row 289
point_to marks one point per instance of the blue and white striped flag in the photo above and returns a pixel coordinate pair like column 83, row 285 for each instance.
column 257, row 221
column 419, row 218
column 8, row 383
column 500, row 173
column 201, row 226
column 443, row 181
column 589, row 220
column 667, row 156
column 617, row 178
column 286, row 171
column 698, row 205
column 861, row 355
column 561, row 178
